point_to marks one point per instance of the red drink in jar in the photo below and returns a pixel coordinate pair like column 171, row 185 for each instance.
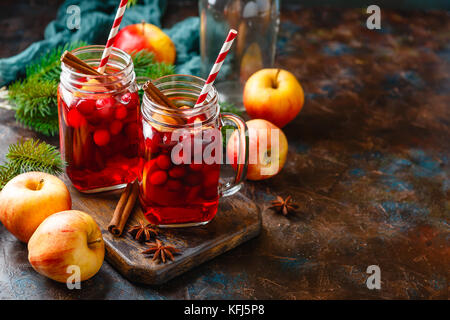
column 99, row 122
column 181, row 155
column 174, row 192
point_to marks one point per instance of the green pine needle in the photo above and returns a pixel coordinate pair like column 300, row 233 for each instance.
column 146, row 66
column 131, row 3
column 36, row 104
column 30, row 155
column 230, row 107
column 7, row 172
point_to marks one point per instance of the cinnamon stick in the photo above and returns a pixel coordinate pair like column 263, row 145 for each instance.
column 157, row 96
column 123, row 209
column 78, row 64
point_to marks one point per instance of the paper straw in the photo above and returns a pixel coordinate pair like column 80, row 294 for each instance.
column 112, row 35
column 216, row 67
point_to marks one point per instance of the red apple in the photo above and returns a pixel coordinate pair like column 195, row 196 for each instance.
column 67, row 238
column 274, row 95
column 268, row 149
column 29, row 198
column 146, row 36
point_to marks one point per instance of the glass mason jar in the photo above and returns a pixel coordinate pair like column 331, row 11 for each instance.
column 182, row 152
column 257, row 23
column 99, row 122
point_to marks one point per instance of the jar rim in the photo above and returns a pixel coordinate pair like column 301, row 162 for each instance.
column 71, row 78
column 209, row 107
column 92, row 48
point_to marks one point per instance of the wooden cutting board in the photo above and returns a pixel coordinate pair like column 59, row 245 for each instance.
column 237, row 221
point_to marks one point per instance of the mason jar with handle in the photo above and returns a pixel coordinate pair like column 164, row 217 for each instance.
column 182, row 152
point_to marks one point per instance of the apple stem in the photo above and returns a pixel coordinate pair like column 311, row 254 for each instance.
column 143, row 27
column 39, row 185
column 95, row 241
column 275, row 83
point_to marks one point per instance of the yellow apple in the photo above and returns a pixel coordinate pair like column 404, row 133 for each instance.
column 268, row 149
column 28, row 199
column 65, row 239
column 274, row 95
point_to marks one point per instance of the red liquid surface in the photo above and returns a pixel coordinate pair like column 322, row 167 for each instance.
column 172, row 193
column 99, row 138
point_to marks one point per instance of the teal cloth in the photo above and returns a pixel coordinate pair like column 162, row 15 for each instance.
column 97, row 17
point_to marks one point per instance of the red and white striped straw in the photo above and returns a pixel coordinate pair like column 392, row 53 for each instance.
column 112, row 35
column 216, row 67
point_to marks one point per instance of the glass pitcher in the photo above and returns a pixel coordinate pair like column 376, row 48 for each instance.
column 257, row 23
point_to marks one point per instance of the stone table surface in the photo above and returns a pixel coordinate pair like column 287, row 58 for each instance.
column 368, row 165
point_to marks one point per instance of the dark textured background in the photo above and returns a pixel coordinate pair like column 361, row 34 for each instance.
column 368, row 164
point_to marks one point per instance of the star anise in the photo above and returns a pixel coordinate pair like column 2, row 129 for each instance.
column 161, row 252
column 142, row 231
column 284, row 205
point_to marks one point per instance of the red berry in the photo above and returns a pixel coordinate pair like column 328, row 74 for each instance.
column 155, row 139
column 193, row 179
column 130, row 99
column 121, row 112
column 126, row 97
column 150, row 146
column 163, row 162
column 177, row 172
column 150, row 166
column 192, row 194
column 101, row 137
column 86, row 106
column 75, row 118
column 105, row 107
column 105, row 103
column 132, row 131
column 196, row 166
column 159, row 177
column 115, row 127
column 174, row 185
column 211, row 179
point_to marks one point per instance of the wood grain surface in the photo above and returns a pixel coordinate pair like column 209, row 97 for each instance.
column 238, row 220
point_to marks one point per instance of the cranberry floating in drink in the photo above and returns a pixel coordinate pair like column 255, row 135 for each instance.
column 99, row 121
column 181, row 153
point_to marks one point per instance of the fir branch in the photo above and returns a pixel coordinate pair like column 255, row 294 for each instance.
column 36, row 104
column 146, row 66
column 47, row 125
column 142, row 58
column 30, row 155
column 48, row 66
column 35, row 155
column 35, row 98
column 131, row 3
column 231, row 108
column 7, row 172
